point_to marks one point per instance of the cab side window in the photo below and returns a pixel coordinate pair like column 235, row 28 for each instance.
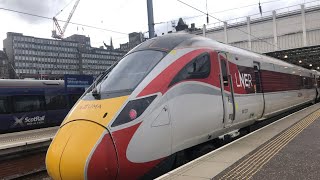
column 198, row 68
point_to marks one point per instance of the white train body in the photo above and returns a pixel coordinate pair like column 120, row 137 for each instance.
column 184, row 90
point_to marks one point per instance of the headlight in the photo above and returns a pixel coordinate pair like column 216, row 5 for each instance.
column 133, row 110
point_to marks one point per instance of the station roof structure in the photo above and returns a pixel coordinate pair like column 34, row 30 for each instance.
column 307, row 57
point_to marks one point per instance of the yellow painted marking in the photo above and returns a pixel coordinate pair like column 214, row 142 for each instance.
column 173, row 52
column 94, row 110
column 262, row 160
column 267, row 159
column 250, row 166
column 252, row 160
column 263, row 154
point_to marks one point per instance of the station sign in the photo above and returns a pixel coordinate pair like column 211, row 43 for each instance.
column 77, row 81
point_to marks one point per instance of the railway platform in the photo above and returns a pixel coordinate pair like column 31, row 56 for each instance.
column 25, row 140
column 285, row 149
column 23, row 153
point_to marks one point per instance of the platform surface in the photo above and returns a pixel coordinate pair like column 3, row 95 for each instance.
column 286, row 149
column 299, row 159
column 11, row 140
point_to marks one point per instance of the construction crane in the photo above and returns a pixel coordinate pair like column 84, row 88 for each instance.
column 56, row 24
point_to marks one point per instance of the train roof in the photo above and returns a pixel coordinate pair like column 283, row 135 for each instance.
column 164, row 43
column 30, row 83
column 183, row 40
column 263, row 58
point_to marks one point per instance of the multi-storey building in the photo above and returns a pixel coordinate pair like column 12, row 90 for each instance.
column 95, row 60
column 134, row 40
column 37, row 57
column 3, row 65
column 32, row 57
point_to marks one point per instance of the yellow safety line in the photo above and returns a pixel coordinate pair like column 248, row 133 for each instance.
column 256, row 155
column 267, row 159
column 278, row 139
column 277, row 145
column 259, row 155
column 257, row 160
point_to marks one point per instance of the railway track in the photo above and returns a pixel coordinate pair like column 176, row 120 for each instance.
column 39, row 175
column 23, row 165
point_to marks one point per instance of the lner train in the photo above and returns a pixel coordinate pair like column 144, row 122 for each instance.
column 164, row 98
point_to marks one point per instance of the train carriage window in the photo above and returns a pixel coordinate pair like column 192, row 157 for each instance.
column 28, row 103
column 306, row 82
column 301, row 82
column 224, row 72
column 257, row 78
column 54, row 102
column 4, row 105
column 198, row 68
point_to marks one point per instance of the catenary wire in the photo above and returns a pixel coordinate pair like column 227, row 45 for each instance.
column 74, row 23
column 64, row 7
column 216, row 12
column 225, row 22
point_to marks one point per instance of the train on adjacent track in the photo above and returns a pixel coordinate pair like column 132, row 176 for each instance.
column 165, row 99
column 32, row 104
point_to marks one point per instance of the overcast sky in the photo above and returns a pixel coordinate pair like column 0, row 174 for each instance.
column 124, row 16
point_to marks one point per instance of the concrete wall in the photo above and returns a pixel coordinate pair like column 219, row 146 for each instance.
column 293, row 29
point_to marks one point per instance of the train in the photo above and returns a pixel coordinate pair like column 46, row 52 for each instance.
column 168, row 99
column 33, row 104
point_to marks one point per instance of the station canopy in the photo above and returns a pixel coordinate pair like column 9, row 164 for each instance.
column 307, row 57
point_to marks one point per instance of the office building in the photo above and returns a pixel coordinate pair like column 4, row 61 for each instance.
column 32, row 57
column 134, row 40
column 3, row 65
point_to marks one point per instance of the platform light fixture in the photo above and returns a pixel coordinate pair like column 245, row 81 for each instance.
column 318, row 67
column 310, row 65
column 285, row 56
column 300, row 61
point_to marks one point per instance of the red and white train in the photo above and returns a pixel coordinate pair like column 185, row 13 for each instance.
column 166, row 96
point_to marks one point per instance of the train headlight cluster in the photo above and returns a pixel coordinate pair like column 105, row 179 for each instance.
column 133, row 110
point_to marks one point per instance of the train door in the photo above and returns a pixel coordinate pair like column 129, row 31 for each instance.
column 227, row 90
column 258, row 89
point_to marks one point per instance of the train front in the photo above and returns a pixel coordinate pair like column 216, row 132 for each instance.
column 84, row 146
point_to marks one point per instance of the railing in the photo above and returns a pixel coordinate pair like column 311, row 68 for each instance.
column 258, row 17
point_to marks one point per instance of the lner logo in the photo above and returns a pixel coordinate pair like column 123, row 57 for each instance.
column 244, row 80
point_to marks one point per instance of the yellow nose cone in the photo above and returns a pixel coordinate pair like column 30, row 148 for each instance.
column 68, row 153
